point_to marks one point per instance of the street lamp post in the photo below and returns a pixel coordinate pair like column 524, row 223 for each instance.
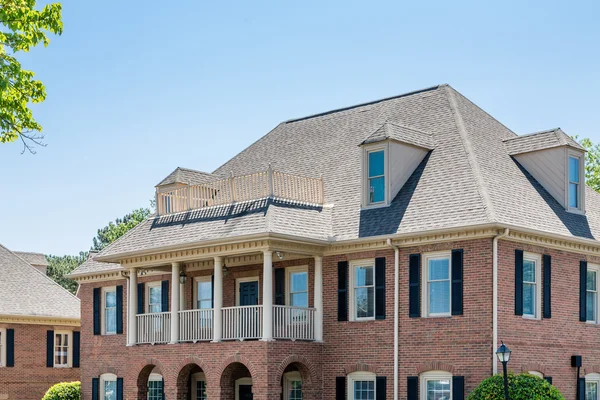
column 503, row 354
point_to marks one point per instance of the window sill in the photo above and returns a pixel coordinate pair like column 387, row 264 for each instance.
column 575, row 211
column 362, row 320
column 437, row 316
column 109, row 334
column 591, row 323
column 373, row 206
column 531, row 318
column 62, row 366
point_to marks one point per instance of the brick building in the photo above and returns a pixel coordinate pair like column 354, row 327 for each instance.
column 380, row 251
column 39, row 328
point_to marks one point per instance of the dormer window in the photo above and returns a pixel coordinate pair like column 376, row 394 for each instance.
column 376, row 176
column 574, row 183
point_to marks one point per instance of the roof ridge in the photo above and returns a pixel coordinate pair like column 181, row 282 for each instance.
column 408, row 127
column 532, row 134
column 472, row 158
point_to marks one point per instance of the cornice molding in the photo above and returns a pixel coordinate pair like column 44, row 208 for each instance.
column 554, row 243
column 38, row 320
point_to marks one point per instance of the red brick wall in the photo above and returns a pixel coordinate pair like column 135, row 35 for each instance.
column 29, row 379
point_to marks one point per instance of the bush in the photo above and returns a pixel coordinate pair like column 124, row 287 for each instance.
column 64, row 391
column 520, row 387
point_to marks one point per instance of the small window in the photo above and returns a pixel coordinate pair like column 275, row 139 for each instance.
column 62, row 349
column 592, row 294
column 155, row 387
column 292, row 386
column 108, row 387
column 199, row 386
column 109, row 314
column 592, row 383
column 363, row 290
column 376, row 176
column 154, row 300
column 436, row 385
column 203, row 293
column 531, row 286
column 2, row 347
column 361, row 386
column 436, row 277
column 297, row 280
column 574, row 183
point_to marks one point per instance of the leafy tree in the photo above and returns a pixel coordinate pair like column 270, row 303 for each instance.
column 24, row 28
column 592, row 164
column 115, row 230
column 59, row 266
column 64, row 391
column 520, row 387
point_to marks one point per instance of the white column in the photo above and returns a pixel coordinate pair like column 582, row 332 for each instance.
column 174, row 303
column 318, row 298
column 218, row 300
column 267, row 328
column 181, row 296
column 132, row 301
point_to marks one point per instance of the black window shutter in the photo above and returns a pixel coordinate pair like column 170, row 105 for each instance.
column 518, row 282
column 119, row 388
column 10, row 347
column 97, row 311
column 458, row 388
column 457, row 282
column 414, row 285
column 95, row 388
column 343, row 291
column 164, row 292
column 412, row 388
column 548, row 379
column 50, row 349
column 162, row 388
column 580, row 388
column 279, row 287
column 380, row 288
column 380, row 387
column 547, row 286
column 119, row 309
column 340, row 388
column 140, row 298
column 212, row 292
column 76, row 348
column 582, row 290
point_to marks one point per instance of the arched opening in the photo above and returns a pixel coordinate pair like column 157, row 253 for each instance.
column 191, row 383
column 151, row 384
column 236, row 382
column 293, row 381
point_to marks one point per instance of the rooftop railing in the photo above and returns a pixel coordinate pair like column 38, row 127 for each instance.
column 234, row 189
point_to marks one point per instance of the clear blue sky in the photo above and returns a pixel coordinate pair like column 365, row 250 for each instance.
column 137, row 88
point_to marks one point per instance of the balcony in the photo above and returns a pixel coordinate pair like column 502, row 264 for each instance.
column 238, row 323
column 260, row 185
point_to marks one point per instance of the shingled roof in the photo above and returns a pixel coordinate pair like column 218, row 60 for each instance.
column 468, row 179
column 33, row 258
column 404, row 134
column 28, row 292
column 540, row 141
column 187, row 176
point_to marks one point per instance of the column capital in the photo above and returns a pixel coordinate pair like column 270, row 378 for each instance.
column 218, row 258
column 176, row 264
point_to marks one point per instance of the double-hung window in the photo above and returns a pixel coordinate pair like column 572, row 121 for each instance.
column 362, row 277
column 436, row 385
column 361, row 386
column 154, row 297
column 108, row 387
column 531, row 285
column 376, row 176
column 109, row 313
column 437, row 284
column 199, row 386
column 292, row 386
column 592, row 386
column 203, row 293
column 155, row 387
column 297, row 278
column 62, row 349
column 574, row 191
column 591, row 295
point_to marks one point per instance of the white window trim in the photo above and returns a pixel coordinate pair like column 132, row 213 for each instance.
column 369, row 262
column 2, row 347
column 365, row 174
column 288, row 378
column 106, row 378
column 595, row 268
column 241, row 381
column 288, row 282
column 581, row 185
column 237, row 288
column 536, row 373
column 360, row 376
column 593, row 377
column 537, row 258
column 198, row 279
column 433, row 376
column 425, row 288
column 147, row 294
column 197, row 377
column 69, row 350
column 103, row 317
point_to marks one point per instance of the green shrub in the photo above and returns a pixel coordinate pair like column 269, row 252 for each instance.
column 64, row 391
column 520, row 387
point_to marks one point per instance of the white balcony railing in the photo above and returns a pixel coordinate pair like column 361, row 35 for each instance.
column 295, row 323
column 195, row 325
column 153, row 328
column 242, row 322
column 241, row 188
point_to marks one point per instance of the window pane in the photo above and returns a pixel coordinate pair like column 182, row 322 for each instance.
column 364, row 276
column 205, row 304
column 155, row 295
column 439, row 269
column 573, row 169
column 110, row 390
column 528, row 271
column 591, row 306
column 439, row 297
column 528, row 299
column 376, row 190
column 299, row 299
column 573, row 195
column 591, row 391
column 295, row 390
column 111, row 320
column 365, row 304
column 438, row 390
column 201, row 390
column 58, row 340
column 111, row 299
column 591, row 280
column 376, row 163
column 364, row 390
column 204, row 290
column 155, row 389
column 299, row 281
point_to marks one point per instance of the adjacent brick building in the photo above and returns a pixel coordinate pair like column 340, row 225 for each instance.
column 379, row 251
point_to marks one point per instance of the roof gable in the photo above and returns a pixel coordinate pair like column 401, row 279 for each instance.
column 540, row 141
column 187, row 176
column 400, row 133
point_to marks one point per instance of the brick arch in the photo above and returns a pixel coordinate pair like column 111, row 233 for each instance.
column 308, row 372
column 104, row 368
column 145, row 367
column 435, row 366
column 359, row 366
column 181, row 374
column 192, row 360
column 230, row 369
column 592, row 369
column 150, row 361
column 236, row 358
column 534, row 367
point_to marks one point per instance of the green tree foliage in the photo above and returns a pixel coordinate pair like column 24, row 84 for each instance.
column 59, row 266
column 24, row 28
column 64, row 391
column 115, row 230
column 520, row 387
column 592, row 164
